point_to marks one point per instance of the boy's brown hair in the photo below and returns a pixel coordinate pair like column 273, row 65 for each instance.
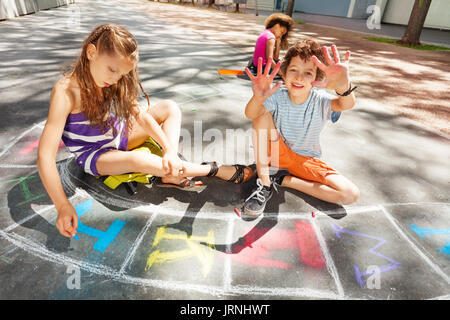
column 284, row 21
column 305, row 49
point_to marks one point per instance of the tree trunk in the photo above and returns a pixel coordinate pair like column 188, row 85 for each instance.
column 211, row 2
column 290, row 7
column 237, row 7
column 415, row 24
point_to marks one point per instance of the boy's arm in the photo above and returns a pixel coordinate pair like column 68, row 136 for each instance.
column 343, row 103
column 60, row 107
column 255, row 108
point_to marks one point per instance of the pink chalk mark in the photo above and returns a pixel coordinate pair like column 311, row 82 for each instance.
column 33, row 146
column 259, row 246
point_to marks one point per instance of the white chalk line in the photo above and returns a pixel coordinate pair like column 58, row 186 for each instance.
column 36, row 213
column 17, row 166
column 331, row 267
column 43, row 253
column 137, row 242
column 415, row 248
column 227, row 277
column 446, row 297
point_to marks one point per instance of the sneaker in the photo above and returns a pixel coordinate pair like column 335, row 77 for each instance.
column 256, row 203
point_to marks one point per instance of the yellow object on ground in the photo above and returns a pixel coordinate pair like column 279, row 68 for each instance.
column 149, row 146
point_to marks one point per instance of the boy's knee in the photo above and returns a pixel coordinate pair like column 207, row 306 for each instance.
column 349, row 195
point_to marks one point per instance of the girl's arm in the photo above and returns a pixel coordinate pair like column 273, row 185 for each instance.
column 60, row 107
column 271, row 52
column 276, row 53
column 171, row 162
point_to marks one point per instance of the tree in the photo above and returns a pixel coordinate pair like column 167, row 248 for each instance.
column 415, row 23
column 290, row 7
column 211, row 2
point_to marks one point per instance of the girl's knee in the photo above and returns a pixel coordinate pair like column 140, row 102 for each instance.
column 172, row 108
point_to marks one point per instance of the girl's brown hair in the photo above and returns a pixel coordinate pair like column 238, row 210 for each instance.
column 284, row 21
column 305, row 49
column 119, row 98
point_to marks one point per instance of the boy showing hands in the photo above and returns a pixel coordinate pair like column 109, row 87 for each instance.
column 287, row 122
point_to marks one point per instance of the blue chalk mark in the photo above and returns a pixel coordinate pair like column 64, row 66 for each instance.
column 359, row 275
column 83, row 207
column 421, row 232
column 105, row 238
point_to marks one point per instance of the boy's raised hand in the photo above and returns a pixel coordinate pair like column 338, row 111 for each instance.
column 337, row 76
column 262, row 84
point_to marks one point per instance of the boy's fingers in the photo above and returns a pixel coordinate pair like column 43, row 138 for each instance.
column 275, row 70
column 249, row 74
column 337, row 59
column 259, row 66
column 276, row 87
column 347, row 56
column 318, row 63
column 268, row 66
column 326, row 55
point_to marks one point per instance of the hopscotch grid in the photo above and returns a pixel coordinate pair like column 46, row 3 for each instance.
column 131, row 253
column 42, row 252
column 422, row 254
column 331, row 267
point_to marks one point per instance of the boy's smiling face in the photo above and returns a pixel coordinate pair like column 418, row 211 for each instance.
column 298, row 77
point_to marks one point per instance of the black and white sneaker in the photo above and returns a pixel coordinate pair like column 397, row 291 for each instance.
column 255, row 204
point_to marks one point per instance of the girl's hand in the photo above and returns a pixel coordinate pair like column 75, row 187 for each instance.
column 336, row 72
column 262, row 83
column 172, row 164
column 67, row 221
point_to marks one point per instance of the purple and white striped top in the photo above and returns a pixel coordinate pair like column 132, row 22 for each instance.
column 88, row 142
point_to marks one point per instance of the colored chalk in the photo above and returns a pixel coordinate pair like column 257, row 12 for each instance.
column 231, row 72
column 313, row 214
column 237, row 212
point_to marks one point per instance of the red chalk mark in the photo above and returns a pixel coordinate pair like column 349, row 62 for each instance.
column 313, row 214
column 30, row 147
column 237, row 211
column 261, row 244
column 33, row 146
column 310, row 251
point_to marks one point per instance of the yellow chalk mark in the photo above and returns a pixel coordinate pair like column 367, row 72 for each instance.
column 203, row 254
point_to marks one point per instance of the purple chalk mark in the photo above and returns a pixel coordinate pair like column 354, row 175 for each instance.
column 393, row 264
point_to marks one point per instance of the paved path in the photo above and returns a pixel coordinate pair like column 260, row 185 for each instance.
column 168, row 244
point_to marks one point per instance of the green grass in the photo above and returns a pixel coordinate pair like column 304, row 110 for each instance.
column 423, row 46
column 299, row 21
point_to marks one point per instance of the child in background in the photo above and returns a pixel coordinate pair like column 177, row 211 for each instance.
column 94, row 110
column 271, row 40
column 287, row 122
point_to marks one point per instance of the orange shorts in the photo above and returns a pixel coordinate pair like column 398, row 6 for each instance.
column 304, row 167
